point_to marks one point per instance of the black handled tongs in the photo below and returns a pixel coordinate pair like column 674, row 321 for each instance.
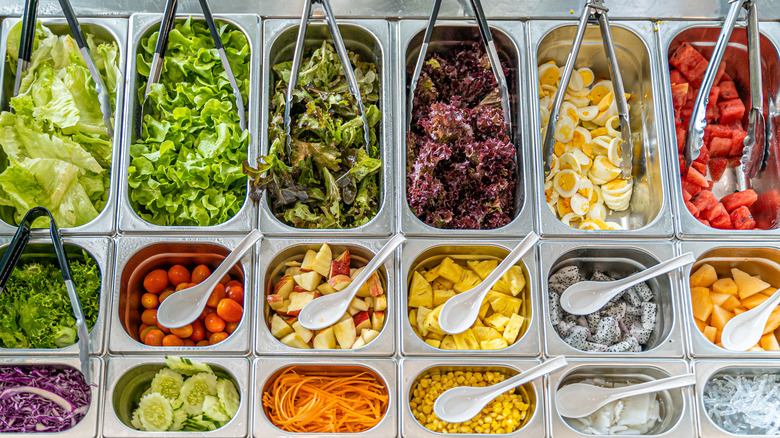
column 14, row 253
column 27, row 41
column 341, row 50
column 755, row 150
column 155, row 69
column 490, row 49
column 594, row 10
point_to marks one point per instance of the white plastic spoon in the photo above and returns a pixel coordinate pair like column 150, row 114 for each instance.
column 745, row 330
column 184, row 306
column 460, row 311
column 586, row 297
column 328, row 309
column 465, row 402
column 582, row 399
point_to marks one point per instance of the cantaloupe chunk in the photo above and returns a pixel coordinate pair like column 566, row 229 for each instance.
column 747, row 285
column 754, row 300
column 731, row 303
column 710, row 332
column 769, row 291
column 720, row 317
column 700, row 324
column 773, row 322
column 725, row 286
column 718, row 299
column 705, row 276
column 739, row 310
column 769, row 342
column 701, row 303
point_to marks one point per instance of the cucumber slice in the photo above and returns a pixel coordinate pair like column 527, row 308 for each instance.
column 136, row 422
column 155, row 413
column 167, row 383
column 200, row 423
column 195, row 389
column 228, row 396
column 185, row 366
column 179, row 416
column 213, row 408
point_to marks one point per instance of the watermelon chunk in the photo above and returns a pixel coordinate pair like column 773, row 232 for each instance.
column 689, row 62
column 715, row 130
column 679, row 95
column 728, row 90
column 705, row 200
column 692, row 208
column 745, row 198
column 680, row 139
column 719, row 147
column 681, row 161
column 676, row 77
column 717, row 167
column 686, row 196
column 722, row 222
column 733, row 161
column 699, row 165
column 691, row 188
column 766, row 210
column 705, row 222
column 737, row 142
column 696, row 177
column 714, row 95
column 721, row 71
column 713, row 213
column 731, row 110
column 741, row 219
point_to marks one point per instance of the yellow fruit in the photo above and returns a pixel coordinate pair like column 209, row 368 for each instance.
column 422, row 313
column 769, row 291
column 466, row 340
column 486, row 333
column 739, row 310
column 497, row 321
column 513, row 328
column 747, row 285
column 431, row 322
column 450, row 270
column 700, row 324
column 705, row 276
column 494, row 344
column 442, row 283
column 701, row 303
column 725, row 286
column 440, row 296
column 769, row 342
column 467, row 281
column 504, row 304
column 718, row 299
column 431, row 275
column 709, row 333
column 448, row 343
column 433, row 343
column 754, row 300
column 421, row 292
column 483, row 309
column 483, row 268
column 515, row 279
column 755, row 348
column 720, row 317
column 502, row 287
column 731, row 303
column 773, row 322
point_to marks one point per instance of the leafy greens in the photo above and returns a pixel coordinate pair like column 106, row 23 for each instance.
column 57, row 151
column 330, row 179
column 186, row 168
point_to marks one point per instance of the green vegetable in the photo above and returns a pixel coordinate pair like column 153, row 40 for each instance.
column 331, row 177
column 35, row 311
column 186, row 168
column 185, row 366
column 228, row 396
column 154, row 413
column 195, row 390
column 57, row 151
column 167, row 383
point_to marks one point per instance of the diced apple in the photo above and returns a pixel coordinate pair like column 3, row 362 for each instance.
column 339, row 282
column 359, row 304
column 299, row 300
column 359, row 342
column 326, row 289
column 344, row 257
column 294, row 341
column 308, row 280
column 322, row 260
column 284, row 286
column 345, row 333
column 308, row 260
column 325, row 339
column 747, row 285
column 354, row 272
column 368, row 335
column 303, row 332
column 292, row 263
column 377, row 320
column 380, row 302
column 292, row 271
column 352, row 311
column 338, row 268
column 705, row 276
column 279, row 328
column 275, row 301
column 373, row 285
column 361, row 321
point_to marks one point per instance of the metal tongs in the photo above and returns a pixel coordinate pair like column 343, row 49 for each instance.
column 155, row 69
column 14, row 253
column 27, row 41
column 341, row 50
column 755, row 150
column 490, row 49
column 594, row 9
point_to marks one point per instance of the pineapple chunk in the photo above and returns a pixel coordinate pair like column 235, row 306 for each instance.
column 442, row 283
column 431, row 322
column 701, row 302
column 466, row 340
column 513, row 328
column 433, row 343
column 413, row 317
column 747, row 285
column 725, row 286
column 502, row 287
column 504, row 304
column 704, row 276
column 422, row 312
column 483, row 309
column 421, row 292
column 436, row 336
column 450, row 270
column 431, row 275
column 497, row 321
column 720, row 317
column 769, row 342
column 754, row 300
column 486, row 333
column 494, row 344
column 483, row 268
column 448, row 343
column 440, row 296
column 731, row 303
column 710, row 332
column 467, row 282
column 515, row 279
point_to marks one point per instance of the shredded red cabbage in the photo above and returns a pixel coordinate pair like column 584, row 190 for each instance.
column 26, row 411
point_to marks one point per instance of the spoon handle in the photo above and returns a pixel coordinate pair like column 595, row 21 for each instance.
column 526, row 376
column 234, row 256
column 656, row 386
column 528, row 242
column 377, row 261
column 656, row 270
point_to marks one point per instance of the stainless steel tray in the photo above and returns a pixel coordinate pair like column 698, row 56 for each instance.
column 143, row 254
column 129, row 221
column 371, row 39
column 677, row 418
column 128, row 377
column 509, row 37
column 421, row 252
column 619, row 258
column 705, row 34
column 102, row 250
column 107, row 29
column 265, row 369
column 272, row 253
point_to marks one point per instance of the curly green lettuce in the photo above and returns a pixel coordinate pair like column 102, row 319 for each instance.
column 57, row 153
column 330, row 178
column 186, row 168
column 35, row 311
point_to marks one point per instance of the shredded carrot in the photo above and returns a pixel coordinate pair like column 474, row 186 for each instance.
column 325, row 402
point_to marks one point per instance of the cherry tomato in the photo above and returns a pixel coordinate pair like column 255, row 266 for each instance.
column 216, row 338
column 149, row 317
column 156, row 281
column 165, row 294
column 206, row 312
column 172, row 341
column 214, row 323
column 183, row 332
column 147, row 329
column 225, row 280
column 202, row 343
column 154, row 338
column 233, row 283
column 198, row 331
column 165, row 330
column 231, row 327
column 236, row 293
column 142, row 327
column 229, row 310
column 178, row 274
column 216, row 295
column 188, row 342
column 200, row 273
column 181, row 286
column 150, row 300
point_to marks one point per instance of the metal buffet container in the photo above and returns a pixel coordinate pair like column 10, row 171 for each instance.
column 621, row 259
column 272, row 253
column 706, row 370
column 677, row 418
column 128, row 377
column 137, row 256
column 411, row 370
column 700, row 347
column 264, row 370
column 142, row 25
column 102, row 251
column 702, row 35
column 418, row 253
column 370, row 39
column 104, row 29
column 509, row 38
column 650, row 212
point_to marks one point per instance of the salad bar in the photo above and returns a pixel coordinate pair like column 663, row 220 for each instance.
column 158, row 137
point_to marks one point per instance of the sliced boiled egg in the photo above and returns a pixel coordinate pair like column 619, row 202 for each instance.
column 570, row 111
column 587, row 76
column 564, row 129
column 588, row 113
column 566, row 183
column 613, row 151
column 613, row 126
column 581, row 136
column 575, row 84
column 579, row 204
column 568, row 218
column 597, row 211
column 549, row 73
column 569, row 161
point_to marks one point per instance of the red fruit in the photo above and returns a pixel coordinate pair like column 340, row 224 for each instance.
column 714, row 212
column 704, row 156
column 741, row 219
column 705, row 200
column 721, row 71
column 728, row 90
column 714, row 130
column 689, row 62
column 699, row 165
column 766, row 210
column 178, row 274
column 717, row 167
column 680, row 133
column 705, row 222
column 735, row 200
column 721, row 222
column 737, row 142
column 695, row 177
column 733, row 161
column 686, row 196
column 676, row 77
column 679, row 95
column 155, row 281
column 200, row 273
column 683, row 168
column 692, row 208
column 719, row 147
column 691, row 188
column 731, row 110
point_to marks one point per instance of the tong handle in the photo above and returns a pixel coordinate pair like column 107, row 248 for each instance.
column 296, row 65
column 26, row 41
column 73, row 23
column 420, row 61
column 166, row 25
column 204, row 6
